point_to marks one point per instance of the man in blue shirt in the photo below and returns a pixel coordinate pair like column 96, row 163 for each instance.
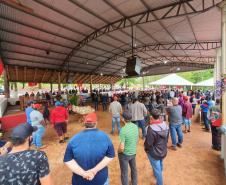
column 28, row 111
column 88, row 153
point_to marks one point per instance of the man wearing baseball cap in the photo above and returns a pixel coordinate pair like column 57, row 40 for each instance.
column 155, row 144
column 88, row 153
column 128, row 138
column 38, row 121
column 187, row 114
column 59, row 119
column 21, row 165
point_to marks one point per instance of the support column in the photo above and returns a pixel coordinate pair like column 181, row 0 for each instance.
column 6, row 85
column 143, row 83
column 217, row 75
column 15, row 87
column 51, row 87
column 59, row 80
column 223, row 74
column 91, row 84
column 39, row 86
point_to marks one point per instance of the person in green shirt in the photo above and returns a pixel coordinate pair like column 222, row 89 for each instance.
column 128, row 139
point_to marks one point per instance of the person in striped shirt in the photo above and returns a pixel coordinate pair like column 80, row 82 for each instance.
column 128, row 138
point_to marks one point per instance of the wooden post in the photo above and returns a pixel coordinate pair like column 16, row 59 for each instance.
column 111, row 83
column 6, row 85
column 91, row 84
column 39, row 86
column 143, row 83
column 15, row 87
column 51, row 87
column 59, row 80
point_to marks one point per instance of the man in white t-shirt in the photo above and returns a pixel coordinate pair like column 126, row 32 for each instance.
column 116, row 109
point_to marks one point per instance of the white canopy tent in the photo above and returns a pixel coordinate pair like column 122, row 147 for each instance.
column 206, row 83
column 172, row 79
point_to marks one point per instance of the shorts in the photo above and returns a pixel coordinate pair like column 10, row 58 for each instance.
column 61, row 128
column 186, row 121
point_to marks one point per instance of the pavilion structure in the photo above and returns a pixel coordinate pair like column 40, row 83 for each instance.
column 77, row 41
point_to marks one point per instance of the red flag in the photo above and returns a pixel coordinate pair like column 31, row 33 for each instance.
column 1, row 67
column 31, row 84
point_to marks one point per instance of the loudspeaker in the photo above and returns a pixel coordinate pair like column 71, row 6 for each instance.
column 133, row 66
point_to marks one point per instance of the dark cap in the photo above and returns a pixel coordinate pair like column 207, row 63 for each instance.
column 22, row 131
column 30, row 102
column 155, row 113
column 126, row 115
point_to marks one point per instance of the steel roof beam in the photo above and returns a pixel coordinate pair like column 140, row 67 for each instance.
column 161, row 24
column 141, row 18
column 76, row 20
column 179, row 64
column 205, row 45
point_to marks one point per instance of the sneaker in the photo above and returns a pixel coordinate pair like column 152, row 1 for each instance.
column 61, row 141
column 216, row 148
column 173, row 148
column 179, row 145
column 207, row 130
column 41, row 147
column 66, row 138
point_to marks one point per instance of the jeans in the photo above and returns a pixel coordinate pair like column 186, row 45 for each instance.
column 115, row 120
column 206, row 120
column 216, row 137
column 37, row 136
column 96, row 105
column 176, row 131
column 141, row 124
column 124, row 160
column 104, row 105
column 107, row 182
column 193, row 108
column 157, row 167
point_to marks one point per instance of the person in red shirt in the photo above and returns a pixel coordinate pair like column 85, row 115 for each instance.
column 59, row 119
column 187, row 114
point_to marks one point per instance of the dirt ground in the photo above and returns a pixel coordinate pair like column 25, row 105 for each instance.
column 194, row 164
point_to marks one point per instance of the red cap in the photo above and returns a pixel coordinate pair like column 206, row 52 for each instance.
column 91, row 118
column 37, row 106
column 185, row 98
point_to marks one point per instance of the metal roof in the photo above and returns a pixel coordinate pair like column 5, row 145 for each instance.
column 91, row 37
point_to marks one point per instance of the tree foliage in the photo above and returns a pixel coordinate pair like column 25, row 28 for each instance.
column 193, row 76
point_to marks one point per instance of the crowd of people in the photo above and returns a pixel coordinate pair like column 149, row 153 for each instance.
column 89, row 152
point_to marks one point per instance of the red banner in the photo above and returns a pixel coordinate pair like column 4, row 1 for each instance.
column 31, row 84
column 1, row 67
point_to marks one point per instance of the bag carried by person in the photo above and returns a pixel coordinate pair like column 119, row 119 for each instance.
column 216, row 119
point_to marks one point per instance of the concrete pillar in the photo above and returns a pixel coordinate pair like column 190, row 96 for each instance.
column 6, row 85
column 223, row 74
